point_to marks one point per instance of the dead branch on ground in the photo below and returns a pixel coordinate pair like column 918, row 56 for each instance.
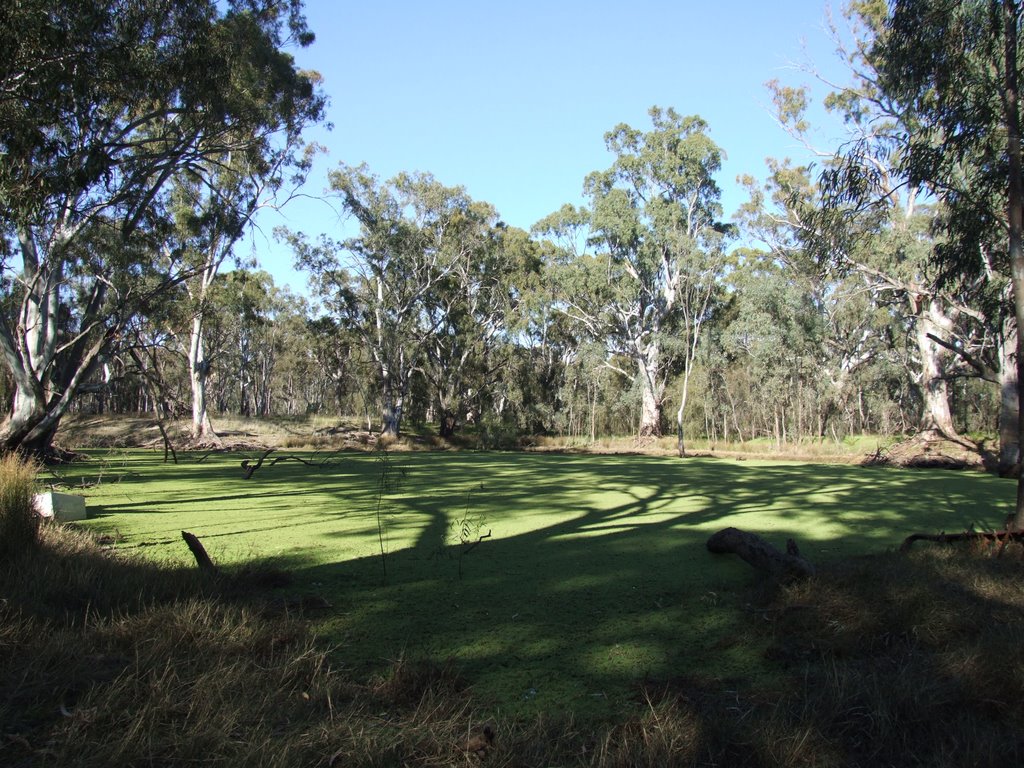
column 949, row 538
column 760, row 554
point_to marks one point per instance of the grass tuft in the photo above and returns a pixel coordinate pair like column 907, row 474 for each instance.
column 905, row 656
column 408, row 682
column 19, row 521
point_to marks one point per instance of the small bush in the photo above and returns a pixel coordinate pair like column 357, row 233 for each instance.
column 18, row 519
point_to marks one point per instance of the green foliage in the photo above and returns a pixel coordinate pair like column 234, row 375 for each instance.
column 144, row 98
column 430, row 285
column 469, row 530
column 871, row 236
column 653, row 224
column 19, row 520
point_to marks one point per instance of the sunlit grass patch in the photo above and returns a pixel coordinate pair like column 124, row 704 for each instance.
column 584, row 553
column 592, row 628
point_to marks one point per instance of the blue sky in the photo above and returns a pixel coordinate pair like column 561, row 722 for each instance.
column 512, row 100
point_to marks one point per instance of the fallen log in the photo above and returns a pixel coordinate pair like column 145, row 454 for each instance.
column 760, row 554
column 948, row 538
column 199, row 552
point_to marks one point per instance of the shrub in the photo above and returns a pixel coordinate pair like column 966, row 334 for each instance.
column 18, row 519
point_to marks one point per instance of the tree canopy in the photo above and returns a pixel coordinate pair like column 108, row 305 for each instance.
column 879, row 290
column 103, row 105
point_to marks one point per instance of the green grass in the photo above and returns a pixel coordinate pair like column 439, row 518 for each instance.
column 594, row 579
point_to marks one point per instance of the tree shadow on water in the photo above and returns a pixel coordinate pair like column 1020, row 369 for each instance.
column 595, row 575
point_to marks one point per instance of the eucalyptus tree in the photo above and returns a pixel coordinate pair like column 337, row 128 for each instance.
column 775, row 335
column 955, row 67
column 542, row 344
column 212, row 210
column 655, row 253
column 415, row 234
column 776, row 217
column 471, row 312
column 334, row 350
column 884, row 251
column 866, row 217
column 102, row 104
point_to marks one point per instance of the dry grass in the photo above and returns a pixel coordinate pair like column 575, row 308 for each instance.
column 236, row 433
column 888, row 660
column 317, row 432
column 18, row 518
column 904, row 660
column 824, row 451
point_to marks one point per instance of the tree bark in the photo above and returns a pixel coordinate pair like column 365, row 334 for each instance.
column 199, row 552
column 680, row 443
column 34, row 418
column 199, row 372
column 948, row 538
column 391, row 417
column 1009, row 402
column 447, row 424
column 929, row 321
column 1015, row 214
column 46, row 376
column 650, row 398
column 26, row 411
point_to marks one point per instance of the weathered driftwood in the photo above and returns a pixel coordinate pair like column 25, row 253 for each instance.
column 199, row 552
column 948, row 538
column 307, row 462
column 250, row 468
column 760, row 554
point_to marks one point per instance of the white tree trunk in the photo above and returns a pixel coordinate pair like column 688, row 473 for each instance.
column 1009, row 400
column 47, row 377
column 199, row 371
column 936, row 414
column 680, row 442
column 651, row 392
column 394, row 386
column 391, row 421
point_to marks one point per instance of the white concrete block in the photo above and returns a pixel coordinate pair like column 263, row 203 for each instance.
column 62, row 507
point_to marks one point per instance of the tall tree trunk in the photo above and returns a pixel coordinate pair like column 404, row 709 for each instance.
column 680, row 443
column 393, row 399
column 1015, row 215
column 447, row 423
column 929, row 320
column 46, row 379
column 199, row 372
column 27, row 410
column 32, row 423
column 29, row 347
column 391, row 420
column 449, row 406
column 650, row 396
column 1009, row 401
column 266, row 396
column 650, row 411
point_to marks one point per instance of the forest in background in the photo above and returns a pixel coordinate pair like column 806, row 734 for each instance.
column 870, row 292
